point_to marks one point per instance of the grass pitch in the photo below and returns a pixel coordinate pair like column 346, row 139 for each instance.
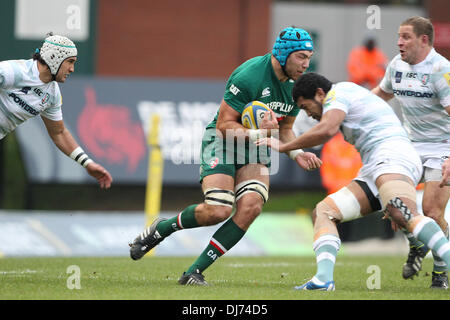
column 232, row 278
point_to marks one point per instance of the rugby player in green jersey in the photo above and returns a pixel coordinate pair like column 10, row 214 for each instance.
column 240, row 180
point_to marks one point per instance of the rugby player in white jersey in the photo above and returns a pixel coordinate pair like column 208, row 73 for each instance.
column 391, row 168
column 419, row 78
column 30, row 87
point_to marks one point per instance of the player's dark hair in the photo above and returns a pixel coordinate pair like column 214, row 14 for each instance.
column 37, row 56
column 306, row 86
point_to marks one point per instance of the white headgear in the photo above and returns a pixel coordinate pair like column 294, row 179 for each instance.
column 55, row 50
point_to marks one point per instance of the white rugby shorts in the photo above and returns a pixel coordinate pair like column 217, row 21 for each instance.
column 393, row 156
column 432, row 156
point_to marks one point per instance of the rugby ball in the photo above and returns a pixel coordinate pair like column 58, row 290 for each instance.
column 253, row 114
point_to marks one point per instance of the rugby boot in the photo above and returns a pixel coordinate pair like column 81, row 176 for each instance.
column 439, row 280
column 195, row 278
column 311, row 285
column 146, row 241
column 413, row 264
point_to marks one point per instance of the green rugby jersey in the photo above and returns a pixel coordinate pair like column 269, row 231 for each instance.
column 256, row 80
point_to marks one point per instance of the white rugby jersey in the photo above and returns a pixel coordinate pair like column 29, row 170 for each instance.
column 23, row 95
column 369, row 120
column 423, row 90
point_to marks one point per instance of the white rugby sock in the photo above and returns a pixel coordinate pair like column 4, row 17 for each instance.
column 326, row 248
column 429, row 232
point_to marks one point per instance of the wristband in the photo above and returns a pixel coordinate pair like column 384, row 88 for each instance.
column 79, row 156
column 294, row 153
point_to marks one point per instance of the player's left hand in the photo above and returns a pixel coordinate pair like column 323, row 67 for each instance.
column 101, row 174
column 308, row 161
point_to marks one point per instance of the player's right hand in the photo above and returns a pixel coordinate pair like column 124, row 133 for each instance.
column 101, row 174
column 308, row 161
column 269, row 121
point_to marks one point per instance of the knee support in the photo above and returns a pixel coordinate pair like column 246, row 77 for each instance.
column 347, row 204
column 219, row 197
column 392, row 191
column 252, row 186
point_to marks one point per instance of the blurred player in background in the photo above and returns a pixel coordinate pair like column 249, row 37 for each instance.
column 30, row 87
column 419, row 78
column 268, row 79
column 367, row 63
column 391, row 168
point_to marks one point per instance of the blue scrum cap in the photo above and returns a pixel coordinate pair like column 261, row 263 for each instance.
column 291, row 39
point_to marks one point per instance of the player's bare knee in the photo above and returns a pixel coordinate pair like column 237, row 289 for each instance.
column 247, row 211
column 214, row 214
column 326, row 209
column 432, row 212
column 250, row 207
column 437, row 215
column 314, row 215
column 220, row 213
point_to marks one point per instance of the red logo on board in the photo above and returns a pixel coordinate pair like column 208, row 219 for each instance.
column 108, row 132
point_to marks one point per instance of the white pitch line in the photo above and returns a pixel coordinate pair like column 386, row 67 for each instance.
column 37, row 226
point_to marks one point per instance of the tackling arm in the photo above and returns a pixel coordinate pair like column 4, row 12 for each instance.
column 286, row 132
column 305, row 160
column 383, row 95
column 65, row 142
column 60, row 136
column 319, row 134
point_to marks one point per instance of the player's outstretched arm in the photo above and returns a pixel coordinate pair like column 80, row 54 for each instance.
column 317, row 135
column 65, row 142
column 383, row 95
column 306, row 160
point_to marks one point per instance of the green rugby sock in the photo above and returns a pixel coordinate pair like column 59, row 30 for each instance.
column 184, row 220
column 222, row 240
